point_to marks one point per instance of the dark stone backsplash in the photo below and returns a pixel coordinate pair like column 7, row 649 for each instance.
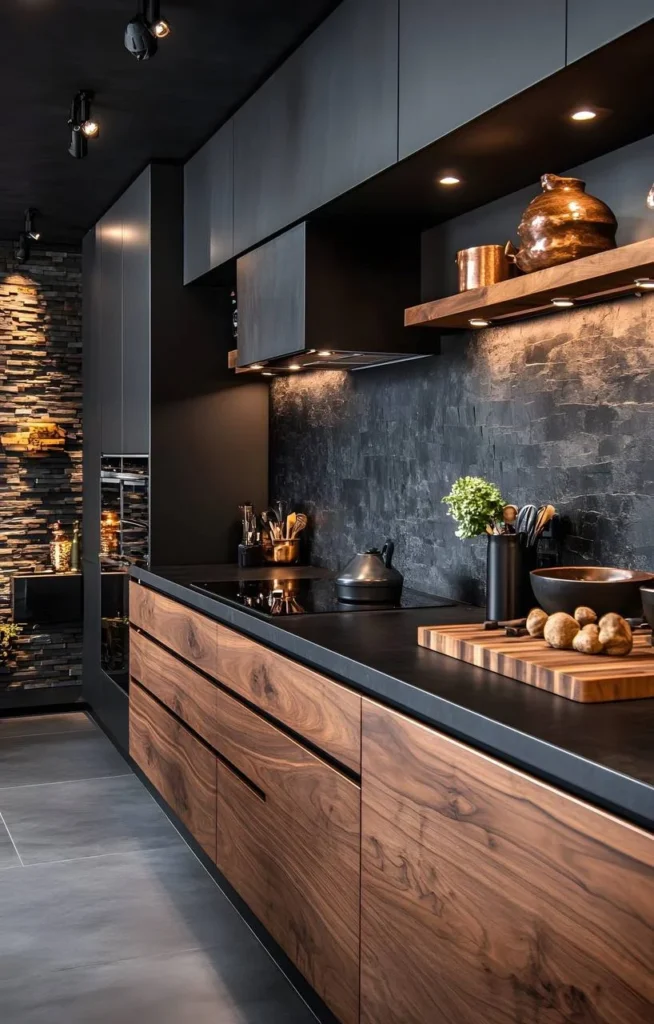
column 559, row 408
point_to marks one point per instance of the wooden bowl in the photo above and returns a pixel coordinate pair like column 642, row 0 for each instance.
column 604, row 590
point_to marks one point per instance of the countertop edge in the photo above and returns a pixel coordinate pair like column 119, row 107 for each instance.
column 620, row 794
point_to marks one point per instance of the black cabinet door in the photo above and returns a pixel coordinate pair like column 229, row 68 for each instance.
column 209, row 205
column 91, row 337
column 592, row 23
column 109, row 239
column 271, row 288
column 458, row 60
column 324, row 122
column 135, row 209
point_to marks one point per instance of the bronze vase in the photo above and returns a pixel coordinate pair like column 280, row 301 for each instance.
column 563, row 224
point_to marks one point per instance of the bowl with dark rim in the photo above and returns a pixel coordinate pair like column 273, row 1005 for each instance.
column 647, row 597
column 567, row 587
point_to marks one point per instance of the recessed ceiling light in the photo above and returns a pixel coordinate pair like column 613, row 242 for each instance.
column 583, row 115
column 646, row 283
column 478, row 321
column 449, row 179
column 325, row 354
column 295, row 366
column 563, row 302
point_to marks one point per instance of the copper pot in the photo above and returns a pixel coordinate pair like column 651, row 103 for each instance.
column 562, row 224
column 485, row 264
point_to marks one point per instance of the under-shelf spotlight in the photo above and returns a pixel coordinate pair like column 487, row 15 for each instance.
column 295, row 366
column 449, row 179
column 645, row 283
column 585, row 114
column 325, row 354
column 256, row 366
column 562, row 302
column 478, row 321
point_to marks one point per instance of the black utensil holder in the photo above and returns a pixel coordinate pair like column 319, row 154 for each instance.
column 508, row 586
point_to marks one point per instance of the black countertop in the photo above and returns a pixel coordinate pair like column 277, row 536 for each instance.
column 603, row 752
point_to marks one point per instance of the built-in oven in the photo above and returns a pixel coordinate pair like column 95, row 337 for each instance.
column 124, row 541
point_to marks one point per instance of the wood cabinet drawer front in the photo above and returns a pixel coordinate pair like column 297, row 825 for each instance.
column 322, row 711
column 180, row 768
column 188, row 694
column 187, row 633
column 293, row 853
column 487, row 895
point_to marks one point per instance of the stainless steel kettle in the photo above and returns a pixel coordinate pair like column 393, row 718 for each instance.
column 371, row 577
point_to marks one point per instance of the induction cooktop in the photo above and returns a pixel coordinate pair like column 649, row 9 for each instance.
column 283, row 597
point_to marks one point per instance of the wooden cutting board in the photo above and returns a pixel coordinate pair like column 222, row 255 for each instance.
column 581, row 677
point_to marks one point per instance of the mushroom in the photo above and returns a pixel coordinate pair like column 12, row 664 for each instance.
column 587, row 640
column 560, row 630
column 615, row 634
column 536, row 622
column 585, row 616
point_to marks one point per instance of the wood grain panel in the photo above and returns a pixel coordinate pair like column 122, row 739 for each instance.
column 180, row 768
column 322, row 711
column 605, row 274
column 294, row 856
column 189, row 695
column 491, row 898
column 582, row 677
column 187, row 633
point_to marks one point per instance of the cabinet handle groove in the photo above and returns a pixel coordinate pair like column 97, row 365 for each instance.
column 241, row 777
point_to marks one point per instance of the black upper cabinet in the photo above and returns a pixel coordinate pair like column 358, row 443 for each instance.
column 458, row 60
column 323, row 123
column 135, row 206
column 592, row 23
column 271, row 288
column 109, row 247
column 209, row 205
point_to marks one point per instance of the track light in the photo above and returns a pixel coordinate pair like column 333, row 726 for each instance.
column 28, row 235
column 82, row 124
column 30, row 226
column 145, row 28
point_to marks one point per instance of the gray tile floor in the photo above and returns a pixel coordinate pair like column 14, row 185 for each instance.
column 106, row 916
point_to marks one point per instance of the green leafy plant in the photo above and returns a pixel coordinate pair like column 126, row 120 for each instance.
column 9, row 633
column 474, row 504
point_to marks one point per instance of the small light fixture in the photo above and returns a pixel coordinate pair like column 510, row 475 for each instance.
column 562, row 302
column 325, row 354
column 256, row 366
column 583, row 115
column 646, row 283
column 266, row 373
column 295, row 366
column 23, row 250
column 449, row 179
column 650, row 198
column 82, row 125
column 478, row 321
column 145, row 29
column 30, row 226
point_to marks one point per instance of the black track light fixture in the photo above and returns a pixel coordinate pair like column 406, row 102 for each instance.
column 145, row 29
column 82, row 124
column 28, row 235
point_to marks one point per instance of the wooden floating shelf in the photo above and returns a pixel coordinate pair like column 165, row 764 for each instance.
column 606, row 275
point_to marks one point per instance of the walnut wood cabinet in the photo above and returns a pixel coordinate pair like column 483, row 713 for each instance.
column 489, row 897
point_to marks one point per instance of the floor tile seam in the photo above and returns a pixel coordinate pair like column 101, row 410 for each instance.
column 65, row 782
column 97, row 856
column 20, row 859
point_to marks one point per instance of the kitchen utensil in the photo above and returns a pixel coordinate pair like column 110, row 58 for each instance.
column 579, row 677
column 545, row 514
column 482, row 265
column 369, row 576
column 509, row 517
column 290, row 524
column 565, row 588
column 562, row 224
column 301, row 522
column 526, row 520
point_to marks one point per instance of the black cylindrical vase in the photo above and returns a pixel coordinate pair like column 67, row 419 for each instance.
column 508, row 586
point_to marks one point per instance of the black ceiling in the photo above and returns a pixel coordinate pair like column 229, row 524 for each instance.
column 216, row 54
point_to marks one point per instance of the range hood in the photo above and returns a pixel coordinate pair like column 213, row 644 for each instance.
column 315, row 298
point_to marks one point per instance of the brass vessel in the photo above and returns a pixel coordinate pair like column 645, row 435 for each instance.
column 60, row 549
column 281, row 552
column 563, row 224
column 485, row 264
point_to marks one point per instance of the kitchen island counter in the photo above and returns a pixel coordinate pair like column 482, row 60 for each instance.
column 602, row 752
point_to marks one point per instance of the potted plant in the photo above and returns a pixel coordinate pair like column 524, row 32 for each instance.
column 477, row 506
